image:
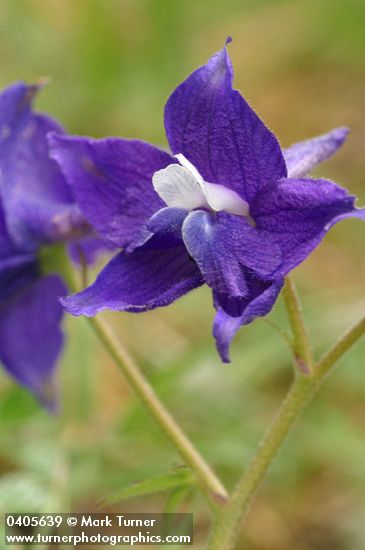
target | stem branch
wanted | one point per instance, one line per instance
(228, 520)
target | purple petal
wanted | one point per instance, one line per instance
(295, 214)
(163, 230)
(112, 182)
(7, 247)
(45, 222)
(16, 267)
(302, 157)
(167, 220)
(15, 272)
(224, 245)
(33, 189)
(139, 281)
(215, 128)
(259, 302)
(30, 335)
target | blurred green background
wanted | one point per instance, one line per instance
(112, 65)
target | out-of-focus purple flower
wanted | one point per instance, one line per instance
(229, 209)
(36, 208)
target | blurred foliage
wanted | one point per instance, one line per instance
(112, 65)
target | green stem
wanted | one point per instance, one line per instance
(302, 347)
(209, 483)
(226, 529)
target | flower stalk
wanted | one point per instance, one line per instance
(303, 356)
(210, 485)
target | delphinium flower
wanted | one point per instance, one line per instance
(230, 209)
(37, 209)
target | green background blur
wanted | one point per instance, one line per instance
(112, 65)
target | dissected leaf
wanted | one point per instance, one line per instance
(180, 477)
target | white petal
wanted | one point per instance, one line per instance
(220, 198)
(187, 164)
(177, 187)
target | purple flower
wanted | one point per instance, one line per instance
(229, 209)
(36, 208)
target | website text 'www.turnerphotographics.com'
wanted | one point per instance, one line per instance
(98, 529)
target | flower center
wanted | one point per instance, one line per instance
(181, 186)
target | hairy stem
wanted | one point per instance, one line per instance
(208, 481)
(226, 529)
(301, 345)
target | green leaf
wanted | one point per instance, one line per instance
(180, 477)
